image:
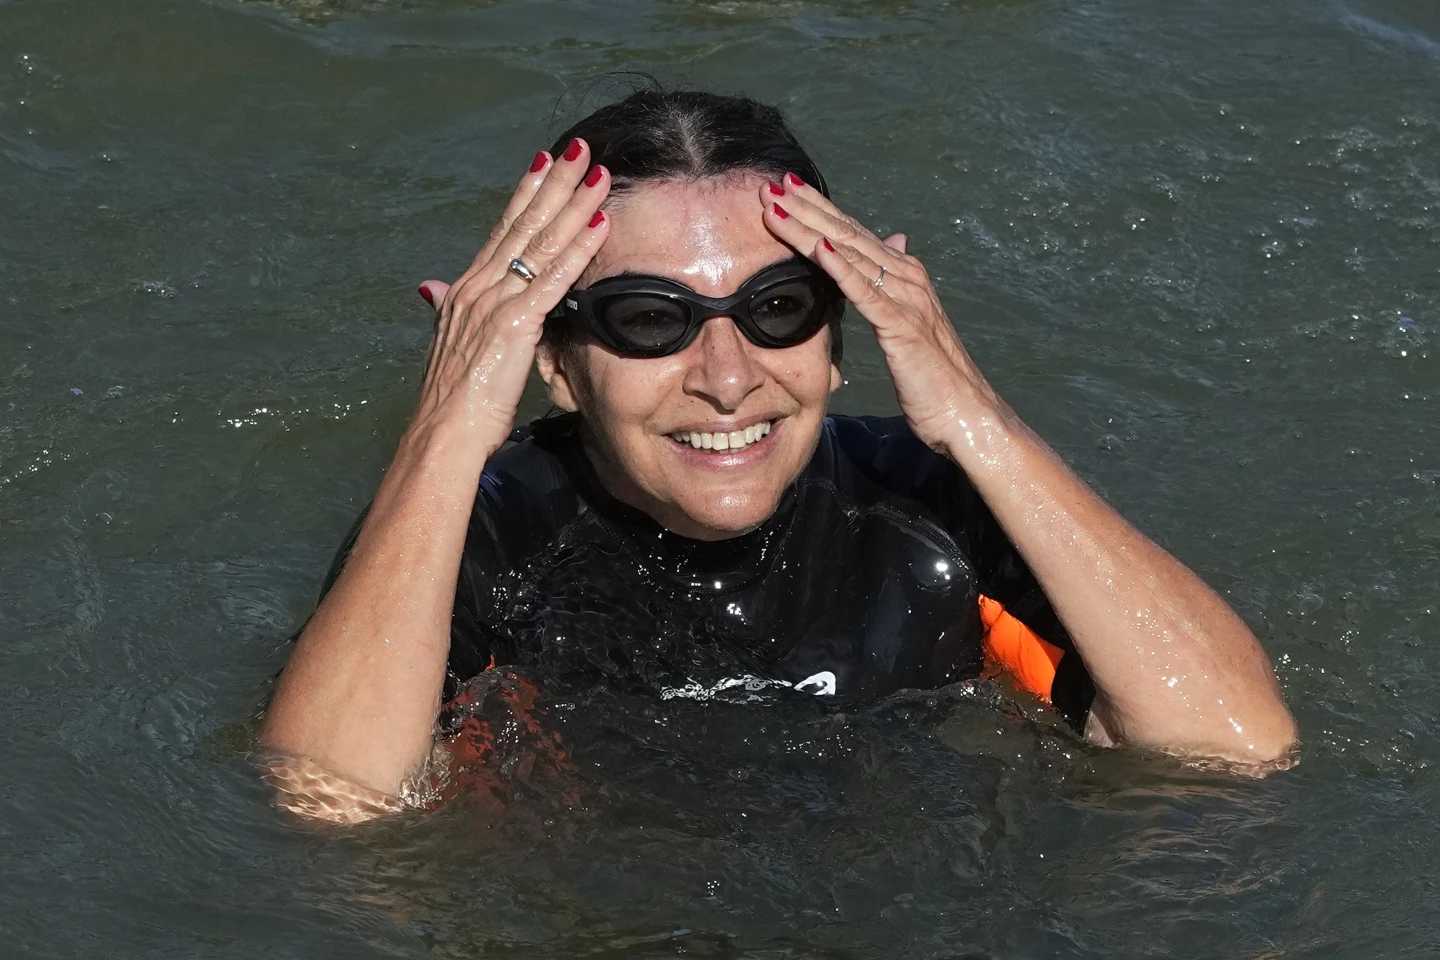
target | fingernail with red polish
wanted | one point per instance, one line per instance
(828, 246)
(775, 188)
(593, 177)
(429, 298)
(572, 152)
(541, 159)
(780, 211)
(598, 219)
(794, 180)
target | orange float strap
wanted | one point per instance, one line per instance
(1018, 650)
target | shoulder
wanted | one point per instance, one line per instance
(533, 462)
(529, 487)
(884, 452)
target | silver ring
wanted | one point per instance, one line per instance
(522, 270)
(880, 280)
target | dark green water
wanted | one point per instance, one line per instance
(1196, 245)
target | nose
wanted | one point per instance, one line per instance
(724, 369)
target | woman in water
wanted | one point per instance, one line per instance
(677, 272)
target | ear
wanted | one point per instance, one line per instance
(836, 380)
(550, 364)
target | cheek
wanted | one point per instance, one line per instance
(628, 393)
(805, 371)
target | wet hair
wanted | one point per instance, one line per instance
(659, 136)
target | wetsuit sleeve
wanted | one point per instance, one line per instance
(342, 556)
(474, 644)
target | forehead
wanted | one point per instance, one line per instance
(707, 234)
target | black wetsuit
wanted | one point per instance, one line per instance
(866, 580)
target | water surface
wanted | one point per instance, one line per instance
(1196, 245)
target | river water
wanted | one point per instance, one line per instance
(1196, 245)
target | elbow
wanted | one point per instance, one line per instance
(1256, 746)
(1270, 748)
(1273, 747)
(304, 788)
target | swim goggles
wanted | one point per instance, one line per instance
(644, 316)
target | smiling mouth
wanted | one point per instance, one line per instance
(730, 441)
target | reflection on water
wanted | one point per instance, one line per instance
(1194, 245)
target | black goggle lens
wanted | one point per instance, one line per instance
(784, 311)
(652, 324)
(646, 322)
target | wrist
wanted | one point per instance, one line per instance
(439, 457)
(983, 435)
(464, 436)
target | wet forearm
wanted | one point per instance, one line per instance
(1175, 668)
(362, 688)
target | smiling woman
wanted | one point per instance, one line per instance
(676, 270)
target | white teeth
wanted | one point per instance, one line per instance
(732, 440)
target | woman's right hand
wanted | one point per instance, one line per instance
(488, 322)
(359, 695)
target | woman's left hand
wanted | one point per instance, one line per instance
(938, 385)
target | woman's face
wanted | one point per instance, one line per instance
(710, 237)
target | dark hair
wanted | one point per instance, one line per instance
(653, 136)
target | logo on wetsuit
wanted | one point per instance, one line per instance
(822, 684)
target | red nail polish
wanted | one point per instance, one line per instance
(572, 152)
(539, 163)
(794, 180)
(593, 177)
(425, 292)
(598, 219)
(780, 212)
(775, 188)
(828, 245)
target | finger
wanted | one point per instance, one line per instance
(541, 295)
(896, 241)
(561, 231)
(821, 213)
(855, 274)
(434, 291)
(787, 227)
(840, 228)
(524, 192)
(867, 268)
(803, 236)
(554, 194)
(799, 188)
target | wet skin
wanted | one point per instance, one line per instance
(1175, 669)
(710, 236)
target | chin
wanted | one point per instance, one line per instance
(726, 515)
